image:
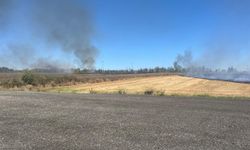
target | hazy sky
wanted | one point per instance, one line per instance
(149, 33)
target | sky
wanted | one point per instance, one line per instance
(147, 33)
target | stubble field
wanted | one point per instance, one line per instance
(161, 85)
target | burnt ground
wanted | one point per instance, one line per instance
(79, 121)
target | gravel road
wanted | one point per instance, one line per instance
(82, 121)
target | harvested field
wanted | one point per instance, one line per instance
(159, 85)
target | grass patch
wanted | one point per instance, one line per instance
(122, 91)
(204, 95)
(154, 92)
(92, 91)
(159, 93)
(151, 92)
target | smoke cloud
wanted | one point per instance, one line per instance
(65, 23)
(15, 55)
(185, 60)
(186, 63)
(57, 24)
(44, 65)
(224, 54)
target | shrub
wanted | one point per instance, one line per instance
(64, 80)
(149, 92)
(35, 80)
(28, 78)
(16, 83)
(42, 80)
(121, 91)
(11, 83)
(91, 91)
(160, 93)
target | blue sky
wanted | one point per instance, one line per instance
(149, 33)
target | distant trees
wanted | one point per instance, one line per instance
(5, 69)
(128, 71)
(175, 68)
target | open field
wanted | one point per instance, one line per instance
(162, 85)
(82, 121)
(151, 84)
(35, 81)
(83, 78)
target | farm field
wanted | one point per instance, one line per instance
(14, 81)
(82, 77)
(161, 85)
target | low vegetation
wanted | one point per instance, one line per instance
(122, 91)
(160, 93)
(38, 80)
(149, 92)
(146, 84)
(29, 78)
(154, 92)
(91, 91)
(13, 83)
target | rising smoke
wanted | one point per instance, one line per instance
(225, 51)
(195, 68)
(57, 24)
(43, 65)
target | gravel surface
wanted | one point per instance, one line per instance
(81, 121)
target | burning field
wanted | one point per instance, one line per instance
(162, 85)
(158, 84)
(56, 49)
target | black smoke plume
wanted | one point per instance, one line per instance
(61, 24)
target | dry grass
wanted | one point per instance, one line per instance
(81, 78)
(14, 81)
(167, 85)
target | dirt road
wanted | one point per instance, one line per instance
(82, 121)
